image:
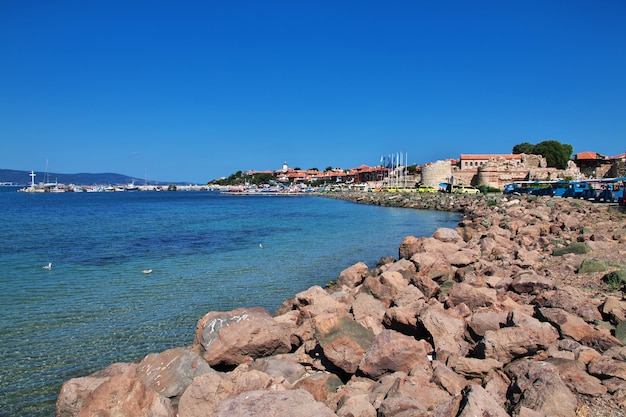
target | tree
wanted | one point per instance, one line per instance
(557, 154)
(525, 147)
(328, 168)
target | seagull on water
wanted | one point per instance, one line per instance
(146, 271)
(49, 266)
(261, 245)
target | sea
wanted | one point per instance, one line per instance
(207, 252)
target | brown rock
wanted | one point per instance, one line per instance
(433, 266)
(447, 378)
(571, 300)
(316, 301)
(484, 320)
(576, 328)
(445, 234)
(357, 406)
(237, 336)
(392, 352)
(352, 276)
(409, 247)
(280, 366)
(411, 394)
(529, 281)
(540, 388)
(446, 329)
(526, 336)
(575, 376)
(204, 394)
(320, 385)
(343, 341)
(125, 395)
(404, 266)
(368, 312)
(293, 403)
(473, 297)
(474, 367)
(463, 257)
(170, 372)
(611, 364)
(615, 309)
(477, 402)
(426, 285)
(75, 391)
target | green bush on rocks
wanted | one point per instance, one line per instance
(615, 279)
(577, 248)
(589, 266)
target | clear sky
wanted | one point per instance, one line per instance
(196, 90)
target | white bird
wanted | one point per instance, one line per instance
(146, 271)
(261, 245)
(49, 266)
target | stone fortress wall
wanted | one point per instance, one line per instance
(496, 172)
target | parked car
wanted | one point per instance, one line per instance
(466, 189)
(422, 188)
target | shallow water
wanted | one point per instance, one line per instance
(95, 307)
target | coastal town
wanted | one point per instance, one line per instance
(586, 175)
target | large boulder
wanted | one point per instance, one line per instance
(529, 281)
(571, 300)
(226, 339)
(538, 386)
(352, 276)
(204, 394)
(394, 352)
(478, 402)
(170, 372)
(572, 326)
(473, 297)
(343, 341)
(125, 395)
(447, 330)
(411, 395)
(75, 391)
(292, 403)
(316, 301)
(524, 335)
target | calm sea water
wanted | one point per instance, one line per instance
(95, 307)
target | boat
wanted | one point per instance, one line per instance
(132, 187)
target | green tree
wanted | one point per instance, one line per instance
(328, 168)
(525, 147)
(557, 154)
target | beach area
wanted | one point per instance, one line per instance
(518, 311)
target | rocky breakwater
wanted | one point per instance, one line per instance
(507, 315)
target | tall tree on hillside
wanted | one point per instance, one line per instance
(557, 154)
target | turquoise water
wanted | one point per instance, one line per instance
(95, 306)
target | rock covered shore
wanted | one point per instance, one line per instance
(516, 312)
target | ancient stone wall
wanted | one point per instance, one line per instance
(435, 173)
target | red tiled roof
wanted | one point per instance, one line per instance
(586, 155)
(491, 156)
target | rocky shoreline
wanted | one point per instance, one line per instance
(519, 311)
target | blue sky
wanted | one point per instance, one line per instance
(192, 91)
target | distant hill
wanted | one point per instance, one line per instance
(23, 178)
